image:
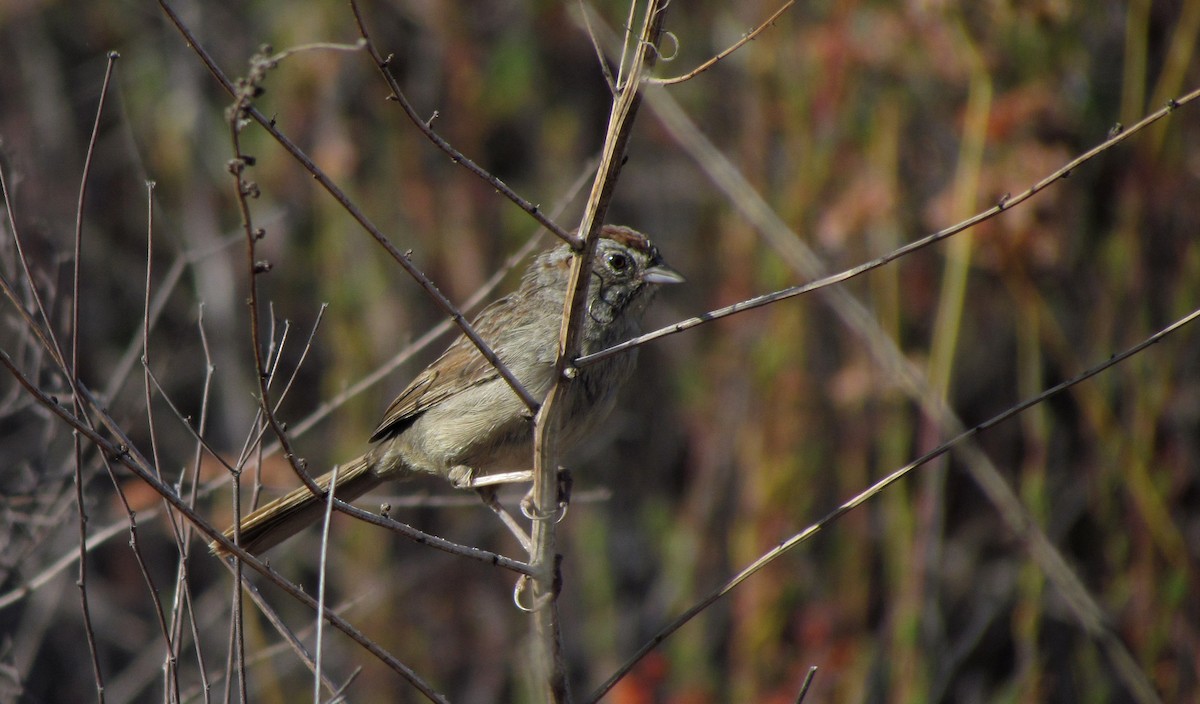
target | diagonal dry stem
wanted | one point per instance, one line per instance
(1005, 203)
(383, 64)
(748, 37)
(1092, 618)
(402, 258)
(544, 495)
(125, 454)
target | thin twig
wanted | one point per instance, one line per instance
(195, 432)
(150, 425)
(171, 684)
(983, 472)
(290, 639)
(736, 45)
(804, 686)
(235, 657)
(247, 89)
(308, 345)
(611, 82)
(73, 380)
(544, 494)
(424, 126)
(128, 456)
(120, 371)
(1094, 622)
(402, 258)
(321, 566)
(627, 39)
(169, 632)
(197, 455)
(434, 541)
(1005, 203)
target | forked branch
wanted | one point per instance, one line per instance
(544, 495)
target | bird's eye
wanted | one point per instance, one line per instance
(617, 261)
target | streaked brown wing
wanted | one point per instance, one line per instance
(434, 385)
(459, 368)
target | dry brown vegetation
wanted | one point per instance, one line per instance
(1052, 556)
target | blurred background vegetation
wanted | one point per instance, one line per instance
(860, 124)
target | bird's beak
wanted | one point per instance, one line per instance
(661, 274)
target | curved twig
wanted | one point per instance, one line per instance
(750, 36)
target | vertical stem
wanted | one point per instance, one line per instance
(550, 672)
(73, 381)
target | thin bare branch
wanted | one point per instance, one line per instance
(247, 90)
(322, 561)
(73, 381)
(434, 541)
(308, 345)
(166, 287)
(1093, 621)
(126, 455)
(402, 258)
(1005, 203)
(806, 684)
(146, 386)
(628, 38)
(169, 632)
(183, 585)
(316, 46)
(544, 494)
(750, 36)
(290, 639)
(584, 13)
(196, 432)
(423, 125)
(882, 348)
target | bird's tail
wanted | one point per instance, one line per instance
(289, 514)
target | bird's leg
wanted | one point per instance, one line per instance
(488, 494)
(472, 482)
